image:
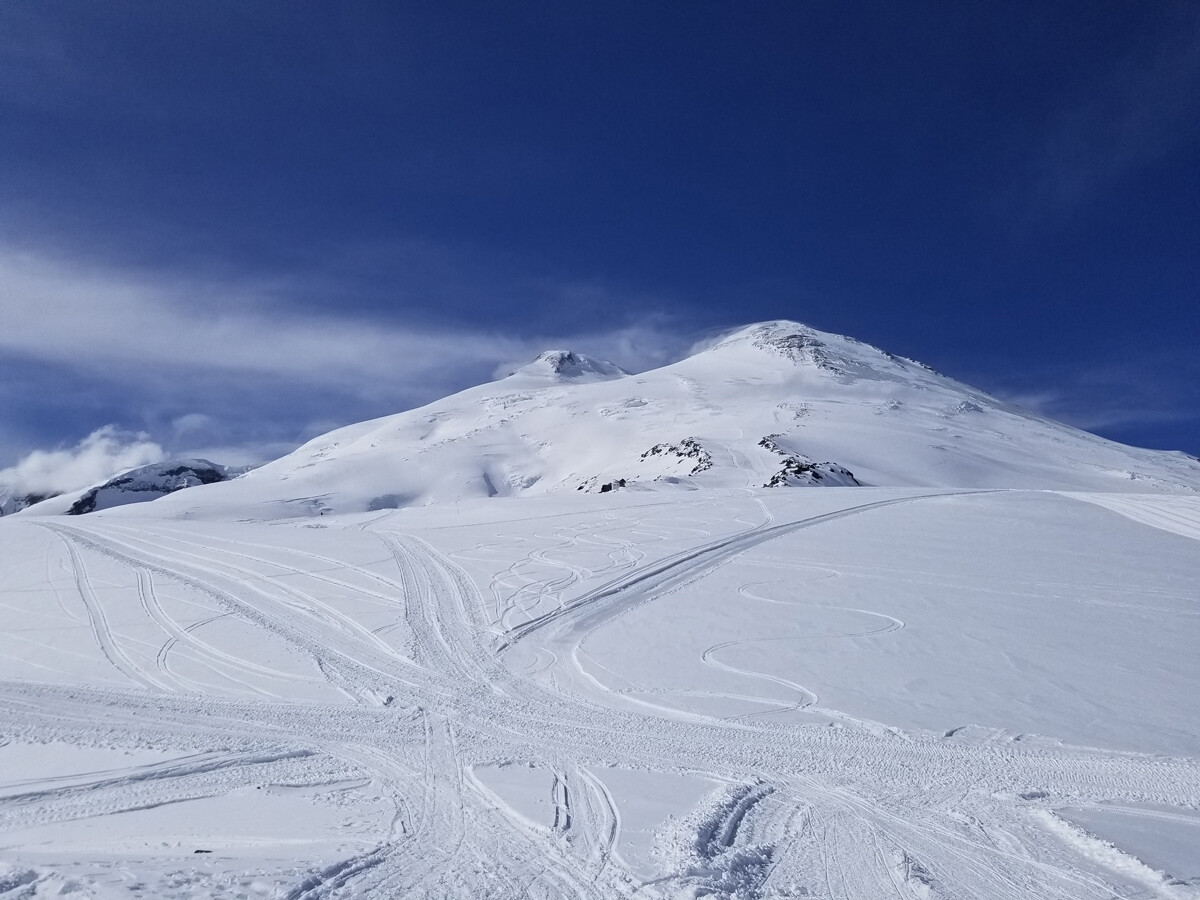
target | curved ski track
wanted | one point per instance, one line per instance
(848, 812)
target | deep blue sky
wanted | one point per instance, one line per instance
(235, 224)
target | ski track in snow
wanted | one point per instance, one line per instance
(857, 811)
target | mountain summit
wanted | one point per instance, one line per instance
(772, 405)
(834, 354)
(567, 365)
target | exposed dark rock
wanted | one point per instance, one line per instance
(606, 487)
(768, 443)
(688, 448)
(9, 505)
(151, 482)
(800, 470)
(803, 471)
(799, 348)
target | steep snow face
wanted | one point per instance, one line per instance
(775, 405)
(138, 486)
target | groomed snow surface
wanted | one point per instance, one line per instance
(844, 693)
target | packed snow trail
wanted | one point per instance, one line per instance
(417, 712)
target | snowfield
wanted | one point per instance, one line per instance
(691, 685)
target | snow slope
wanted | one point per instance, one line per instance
(726, 693)
(773, 404)
(740, 691)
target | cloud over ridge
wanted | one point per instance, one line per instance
(102, 454)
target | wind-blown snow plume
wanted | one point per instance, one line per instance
(98, 456)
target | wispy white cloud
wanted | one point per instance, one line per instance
(1087, 411)
(222, 362)
(99, 456)
(115, 321)
(1150, 393)
(191, 423)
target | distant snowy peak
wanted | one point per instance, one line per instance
(150, 483)
(567, 365)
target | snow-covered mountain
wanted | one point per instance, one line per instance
(13, 501)
(730, 691)
(565, 366)
(770, 405)
(134, 486)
